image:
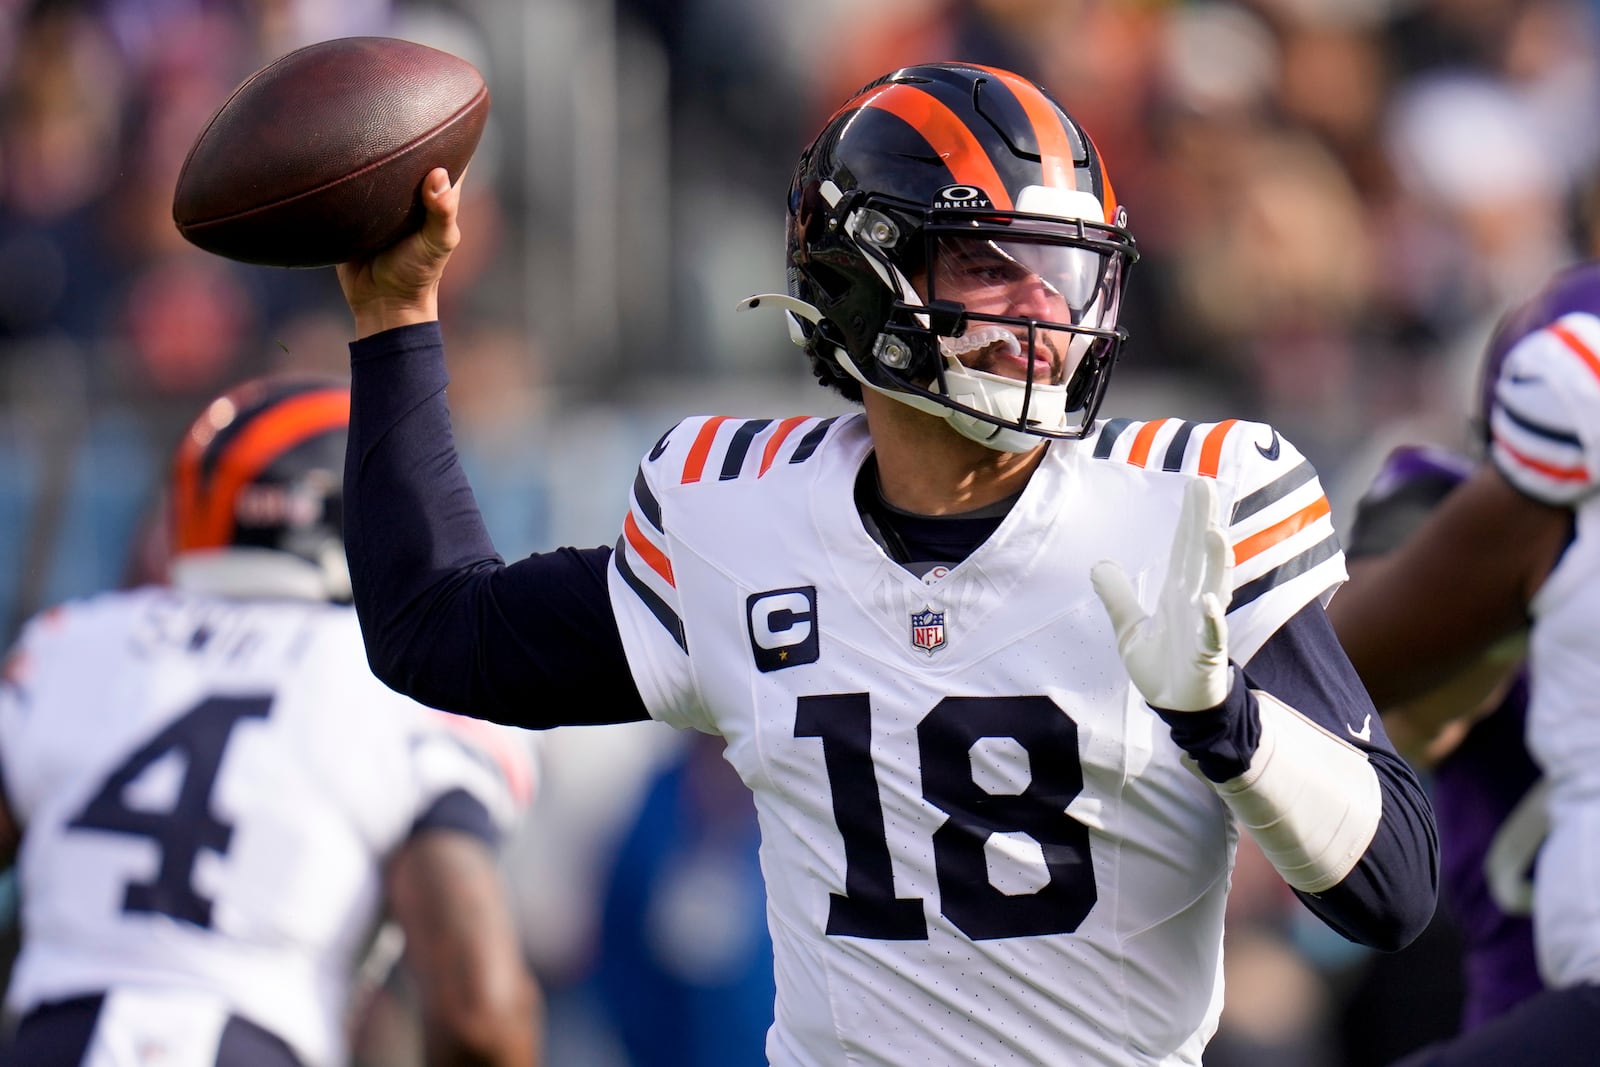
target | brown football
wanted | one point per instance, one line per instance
(319, 157)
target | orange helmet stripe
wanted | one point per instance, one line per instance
(946, 134)
(1109, 202)
(1055, 147)
(203, 515)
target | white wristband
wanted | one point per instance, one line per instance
(1311, 800)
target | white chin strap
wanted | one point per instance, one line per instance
(995, 395)
(979, 390)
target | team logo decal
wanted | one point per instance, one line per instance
(927, 630)
(783, 627)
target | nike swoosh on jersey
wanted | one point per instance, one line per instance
(1363, 734)
(1271, 451)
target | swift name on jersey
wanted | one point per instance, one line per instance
(208, 790)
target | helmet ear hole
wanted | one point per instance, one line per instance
(831, 285)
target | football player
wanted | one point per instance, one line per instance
(999, 794)
(212, 802)
(1487, 792)
(1514, 548)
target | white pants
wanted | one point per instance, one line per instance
(1566, 896)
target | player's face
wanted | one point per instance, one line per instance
(1015, 281)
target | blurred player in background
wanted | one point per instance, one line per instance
(684, 947)
(1516, 548)
(980, 843)
(1488, 794)
(211, 801)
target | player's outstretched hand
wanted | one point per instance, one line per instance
(1177, 656)
(400, 285)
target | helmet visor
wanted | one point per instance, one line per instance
(1034, 304)
(1032, 278)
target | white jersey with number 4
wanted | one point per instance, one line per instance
(979, 844)
(1545, 425)
(207, 789)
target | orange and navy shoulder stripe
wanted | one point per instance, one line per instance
(725, 449)
(1171, 445)
(1280, 527)
(1050, 149)
(1529, 427)
(643, 562)
(1280, 531)
(718, 449)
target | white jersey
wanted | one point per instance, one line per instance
(1546, 441)
(979, 843)
(207, 789)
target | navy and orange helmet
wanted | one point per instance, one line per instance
(929, 165)
(257, 489)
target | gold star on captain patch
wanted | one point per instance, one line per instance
(783, 655)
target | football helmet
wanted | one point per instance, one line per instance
(257, 492)
(953, 242)
(1575, 289)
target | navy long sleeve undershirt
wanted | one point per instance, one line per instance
(535, 643)
(532, 644)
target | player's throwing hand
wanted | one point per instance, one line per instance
(400, 285)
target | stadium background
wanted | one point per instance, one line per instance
(1334, 198)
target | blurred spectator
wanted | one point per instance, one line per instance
(685, 965)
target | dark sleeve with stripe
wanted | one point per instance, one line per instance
(1389, 897)
(445, 621)
(458, 811)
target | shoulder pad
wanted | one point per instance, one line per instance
(709, 448)
(1546, 404)
(1186, 447)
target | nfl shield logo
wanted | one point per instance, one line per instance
(927, 630)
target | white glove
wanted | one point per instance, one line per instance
(1178, 656)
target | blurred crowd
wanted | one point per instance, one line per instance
(1334, 200)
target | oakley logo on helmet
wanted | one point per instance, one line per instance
(783, 627)
(969, 196)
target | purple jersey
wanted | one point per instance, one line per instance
(1479, 787)
(1476, 789)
